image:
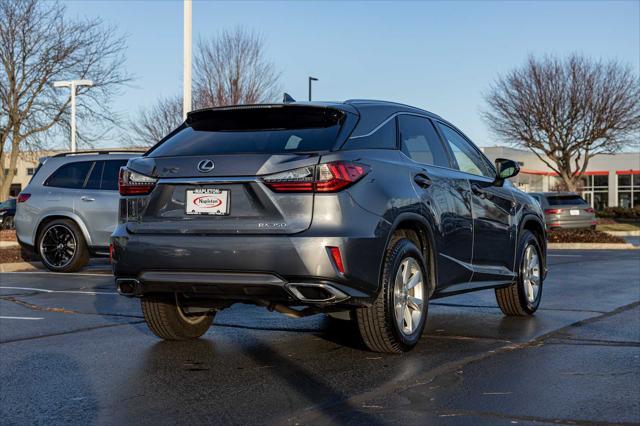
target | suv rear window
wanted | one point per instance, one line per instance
(269, 130)
(565, 200)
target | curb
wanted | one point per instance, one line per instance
(624, 233)
(8, 244)
(592, 246)
(20, 266)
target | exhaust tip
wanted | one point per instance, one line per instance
(128, 286)
(316, 293)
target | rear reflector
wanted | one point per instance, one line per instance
(132, 183)
(327, 177)
(22, 197)
(337, 258)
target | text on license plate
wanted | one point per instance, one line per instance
(207, 201)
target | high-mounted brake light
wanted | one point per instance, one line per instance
(132, 183)
(22, 197)
(326, 177)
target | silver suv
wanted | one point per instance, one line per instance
(69, 209)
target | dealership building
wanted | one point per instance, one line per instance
(611, 180)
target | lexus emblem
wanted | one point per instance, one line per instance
(205, 166)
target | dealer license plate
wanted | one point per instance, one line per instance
(207, 201)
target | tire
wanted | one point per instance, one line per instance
(517, 299)
(74, 246)
(166, 319)
(377, 323)
(8, 223)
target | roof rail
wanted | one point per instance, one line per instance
(100, 152)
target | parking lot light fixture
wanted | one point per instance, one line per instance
(73, 84)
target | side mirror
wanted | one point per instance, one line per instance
(506, 169)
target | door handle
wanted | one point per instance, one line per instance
(477, 190)
(422, 180)
(87, 199)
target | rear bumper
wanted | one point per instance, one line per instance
(246, 267)
(556, 223)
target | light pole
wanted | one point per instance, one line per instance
(186, 59)
(310, 80)
(73, 84)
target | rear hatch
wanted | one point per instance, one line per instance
(210, 170)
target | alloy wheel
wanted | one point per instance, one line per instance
(58, 246)
(408, 296)
(531, 274)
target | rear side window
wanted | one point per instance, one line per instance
(383, 138)
(566, 200)
(420, 142)
(274, 130)
(71, 175)
(110, 174)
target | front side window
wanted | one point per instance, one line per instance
(420, 142)
(70, 175)
(468, 159)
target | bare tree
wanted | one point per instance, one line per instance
(229, 69)
(156, 122)
(39, 45)
(566, 111)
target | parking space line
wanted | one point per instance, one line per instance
(564, 255)
(21, 318)
(44, 290)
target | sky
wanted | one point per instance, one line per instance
(441, 55)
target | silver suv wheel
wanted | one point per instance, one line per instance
(58, 245)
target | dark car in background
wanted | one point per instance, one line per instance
(361, 209)
(565, 210)
(7, 213)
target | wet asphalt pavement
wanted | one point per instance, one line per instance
(72, 351)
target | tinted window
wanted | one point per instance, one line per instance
(420, 142)
(566, 200)
(94, 177)
(468, 158)
(383, 138)
(269, 130)
(70, 175)
(110, 174)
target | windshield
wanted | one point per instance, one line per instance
(254, 130)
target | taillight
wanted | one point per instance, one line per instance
(337, 258)
(132, 183)
(22, 197)
(326, 177)
(589, 210)
(553, 211)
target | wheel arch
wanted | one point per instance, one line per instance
(61, 215)
(420, 231)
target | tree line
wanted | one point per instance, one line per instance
(565, 110)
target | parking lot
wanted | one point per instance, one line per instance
(72, 350)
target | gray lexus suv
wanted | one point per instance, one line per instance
(364, 210)
(70, 208)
